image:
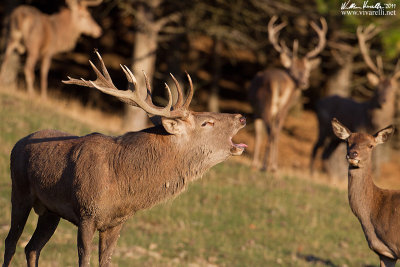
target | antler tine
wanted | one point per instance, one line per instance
(273, 34)
(396, 72)
(179, 101)
(132, 97)
(191, 91)
(363, 36)
(295, 47)
(321, 37)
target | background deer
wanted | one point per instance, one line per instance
(273, 91)
(42, 36)
(367, 116)
(97, 182)
(375, 208)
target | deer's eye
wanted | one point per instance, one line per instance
(370, 146)
(207, 123)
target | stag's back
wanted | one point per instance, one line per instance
(265, 101)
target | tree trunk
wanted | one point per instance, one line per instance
(144, 59)
(213, 103)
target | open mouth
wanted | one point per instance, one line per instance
(237, 149)
(353, 162)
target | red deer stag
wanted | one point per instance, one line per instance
(42, 36)
(375, 208)
(273, 91)
(97, 182)
(366, 116)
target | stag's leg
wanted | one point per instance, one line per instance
(19, 214)
(47, 224)
(386, 262)
(259, 128)
(44, 71)
(107, 243)
(86, 231)
(30, 71)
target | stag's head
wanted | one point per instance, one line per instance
(82, 18)
(299, 67)
(385, 85)
(210, 132)
(360, 145)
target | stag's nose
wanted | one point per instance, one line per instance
(352, 155)
(242, 120)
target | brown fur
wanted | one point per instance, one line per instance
(97, 182)
(368, 116)
(375, 208)
(43, 36)
(273, 91)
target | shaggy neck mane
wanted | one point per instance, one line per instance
(164, 178)
(65, 32)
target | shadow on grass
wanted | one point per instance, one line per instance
(314, 259)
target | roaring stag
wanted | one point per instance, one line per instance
(376, 208)
(273, 91)
(97, 182)
(368, 116)
(42, 36)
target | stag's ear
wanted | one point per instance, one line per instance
(286, 60)
(373, 79)
(383, 135)
(173, 126)
(340, 130)
(314, 63)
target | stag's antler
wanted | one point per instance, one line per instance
(364, 35)
(273, 35)
(321, 37)
(133, 96)
(90, 2)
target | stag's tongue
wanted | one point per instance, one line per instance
(241, 145)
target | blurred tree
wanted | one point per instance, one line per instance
(150, 18)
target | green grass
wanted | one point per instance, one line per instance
(231, 217)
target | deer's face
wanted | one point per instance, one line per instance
(85, 22)
(360, 145)
(210, 132)
(359, 149)
(300, 69)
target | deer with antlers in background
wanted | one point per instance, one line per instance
(97, 182)
(42, 36)
(377, 209)
(273, 91)
(367, 116)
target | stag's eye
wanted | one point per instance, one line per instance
(207, 123)
(370, 146)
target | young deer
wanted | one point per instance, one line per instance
(367, 116)
(97, 182)
(42, 36)
(273, 91)
(377, 209)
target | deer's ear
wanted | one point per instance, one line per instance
(383, 135)
(373, 79)
(286, 60)
(314, 63)
(173, 126)
(340, 130)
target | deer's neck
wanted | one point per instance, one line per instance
(65, 34)
(158, 170)
(362, 192)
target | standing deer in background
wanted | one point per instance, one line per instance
(42, 36)
(273, 91)
(97, 182)
(377, 209)
(367, 116)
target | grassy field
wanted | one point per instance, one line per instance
(231, 217)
